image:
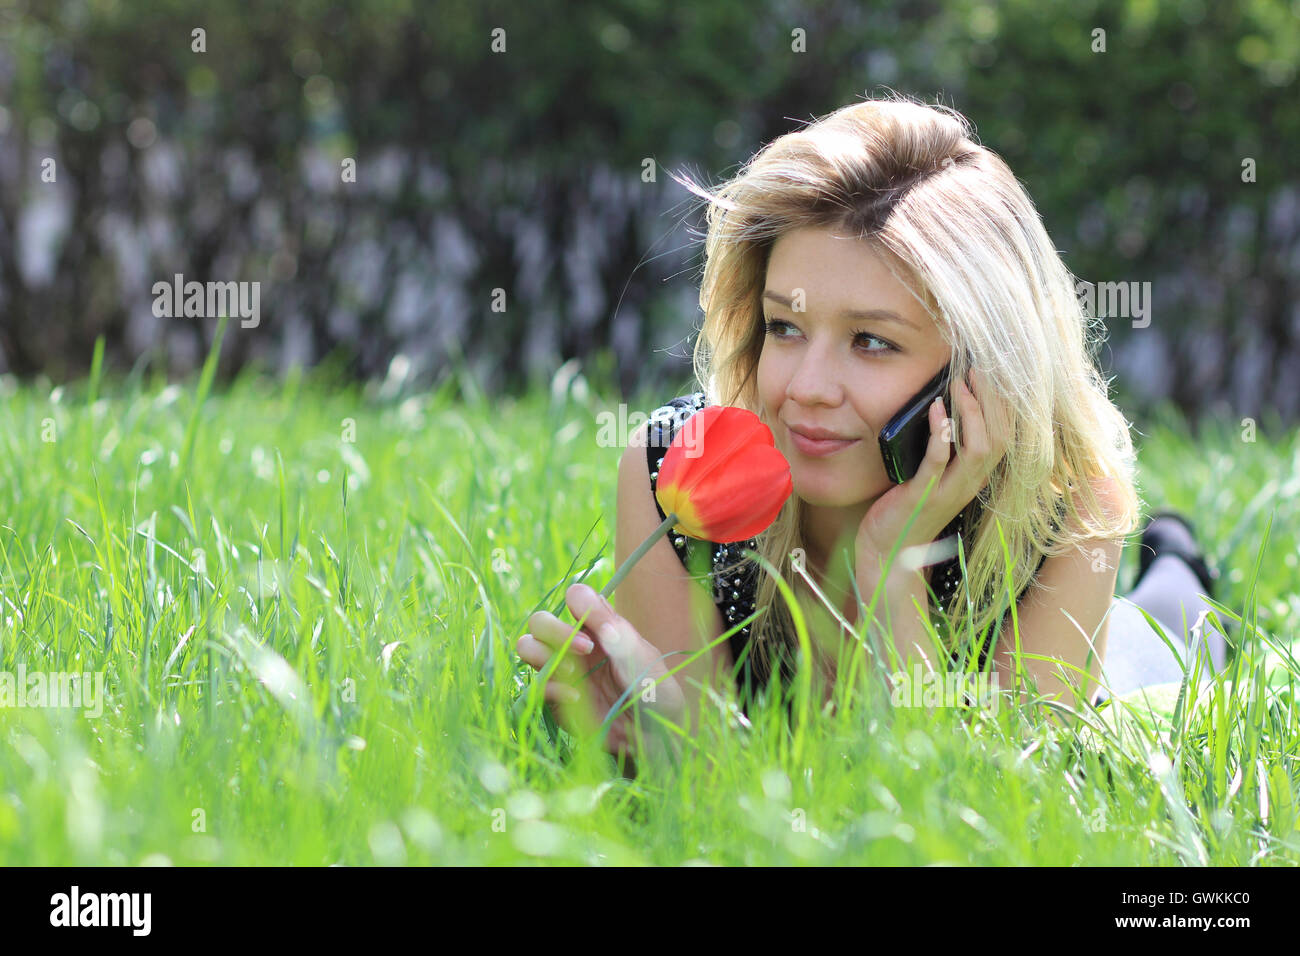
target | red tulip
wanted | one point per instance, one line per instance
(723, 476)
(722, 480)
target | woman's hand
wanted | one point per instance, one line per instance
(606, 656)
(959, 480)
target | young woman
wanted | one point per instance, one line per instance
(847, 264)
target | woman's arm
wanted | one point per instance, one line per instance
(1080, 584)
(903, 603)
(658, 597)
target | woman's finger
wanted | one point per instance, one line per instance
(938, 451)
(558, 693)
(588, 605)
(990, 445)
(980, 442)
(537, 655)
(974, 430)
(554, 633)
(621, 645)
(953, 473)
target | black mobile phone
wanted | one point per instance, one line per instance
(904, 439)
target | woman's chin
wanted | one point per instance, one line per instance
(826, 495)
(835, 494)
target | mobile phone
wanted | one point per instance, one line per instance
(904, 439)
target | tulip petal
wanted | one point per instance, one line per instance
(734, 489)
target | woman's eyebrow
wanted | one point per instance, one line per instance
(853, 315)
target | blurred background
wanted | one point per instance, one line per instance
(413, 184)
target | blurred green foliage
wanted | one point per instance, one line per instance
(487, 136)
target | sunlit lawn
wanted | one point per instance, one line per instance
(304, 599)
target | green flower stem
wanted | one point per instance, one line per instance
(632, 559)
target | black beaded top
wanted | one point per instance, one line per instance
(735, 580)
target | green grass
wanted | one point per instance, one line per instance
(308, 651)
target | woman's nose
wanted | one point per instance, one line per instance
(814, 381)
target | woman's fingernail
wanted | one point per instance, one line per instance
(583, 645)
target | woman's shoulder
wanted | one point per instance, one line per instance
(1109, 495)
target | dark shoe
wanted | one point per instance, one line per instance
(1162, 535)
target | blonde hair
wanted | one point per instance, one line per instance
(949, 215)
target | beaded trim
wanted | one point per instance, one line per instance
(734, 580)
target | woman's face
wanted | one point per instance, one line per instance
(823, 369)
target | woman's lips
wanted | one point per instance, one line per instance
(819, 449)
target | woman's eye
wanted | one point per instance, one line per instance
(774, 327)
(888, 347)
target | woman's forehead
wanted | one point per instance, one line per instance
(839, 270)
